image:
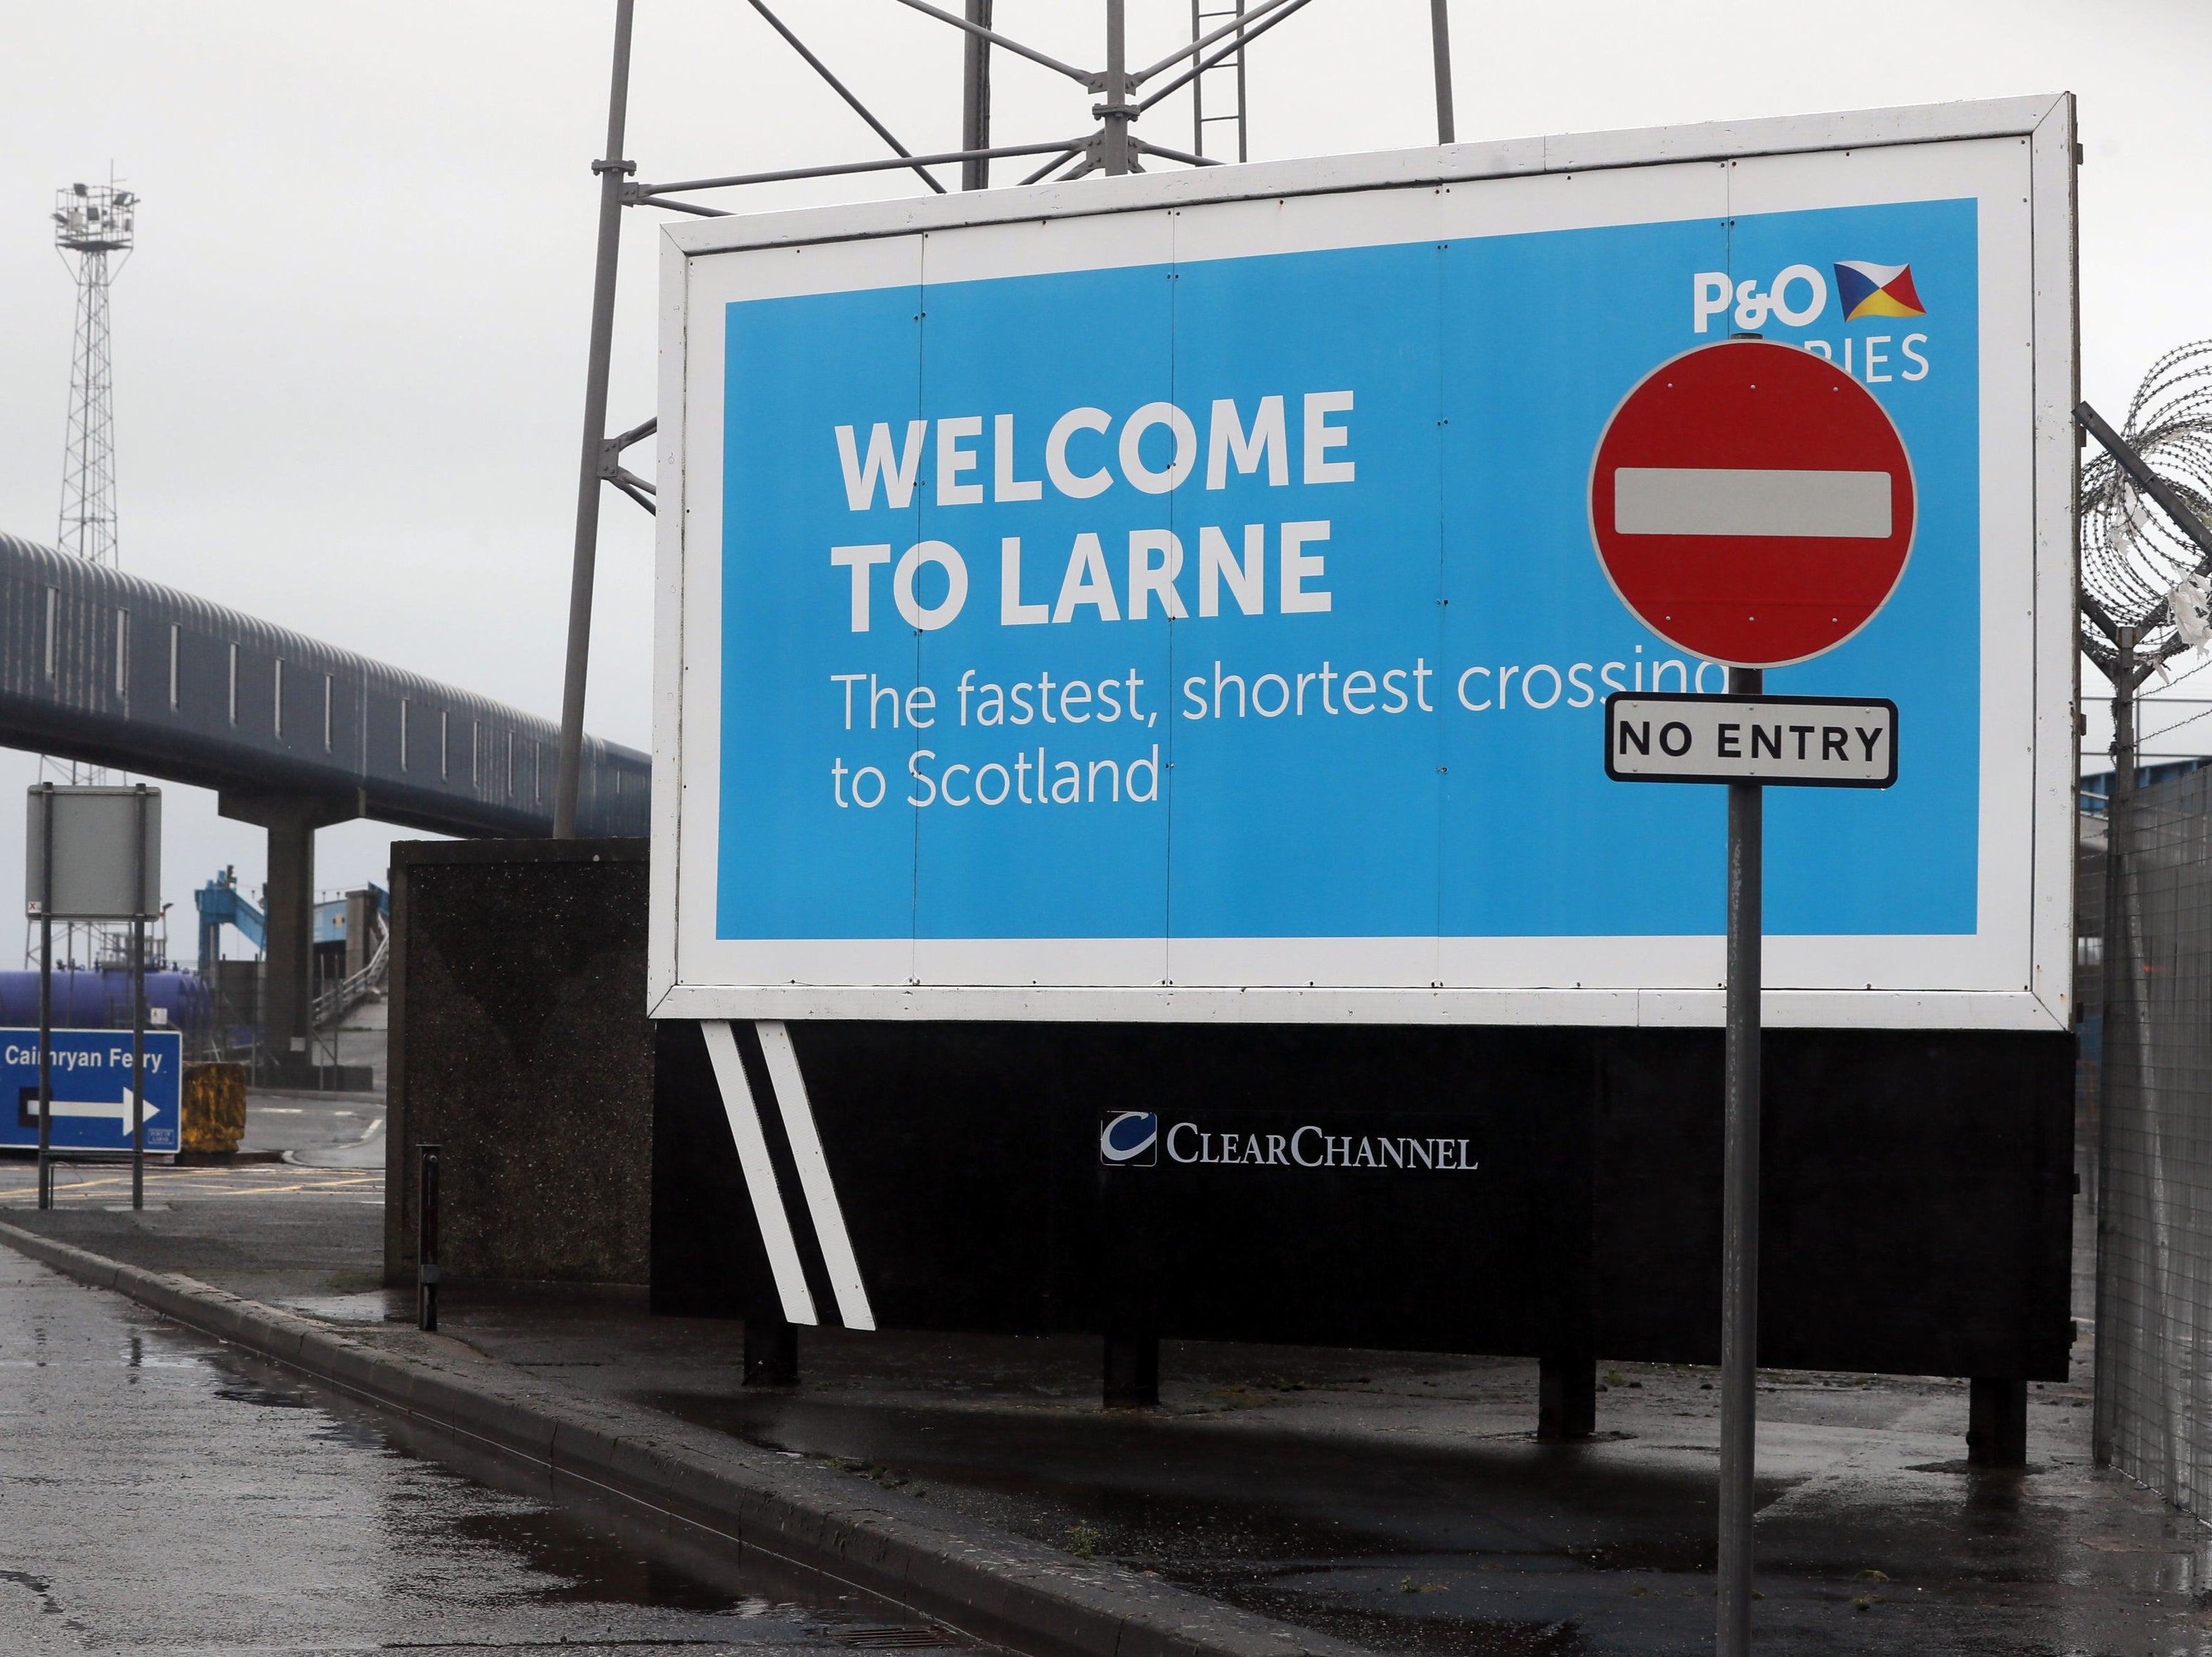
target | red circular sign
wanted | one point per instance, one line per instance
(1752, 503)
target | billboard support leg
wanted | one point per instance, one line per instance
(771, 1351)
(1115, 114)
(1996, 1422)
(975, 99)
(1132, 1371)
(1740, 1215)
(1566, 1396)
(1440, 47)
(612, 169)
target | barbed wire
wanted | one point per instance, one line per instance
(2182, 677)
(2166, 730)
(2133, 556)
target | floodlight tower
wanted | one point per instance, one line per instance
(91, 221)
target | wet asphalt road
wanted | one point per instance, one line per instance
(161, 1493)
(1395, 1500)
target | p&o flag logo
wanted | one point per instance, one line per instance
(1129, 1138)
(1876, 290)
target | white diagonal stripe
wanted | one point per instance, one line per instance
(1743, 500)
(814, 1174)
(759, 1173)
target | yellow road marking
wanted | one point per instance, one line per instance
(252, 1180)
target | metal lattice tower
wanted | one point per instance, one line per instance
(91, 221)
(1223, 77)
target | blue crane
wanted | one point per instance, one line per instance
(220, 902)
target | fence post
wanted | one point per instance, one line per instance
(2119, 999)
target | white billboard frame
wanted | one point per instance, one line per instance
(2014, 973)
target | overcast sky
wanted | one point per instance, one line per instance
(349, 353)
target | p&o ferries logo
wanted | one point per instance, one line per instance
(1876, 290)
(1798, 297)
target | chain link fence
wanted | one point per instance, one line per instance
(2146, 1085)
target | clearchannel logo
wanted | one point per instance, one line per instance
(1129, 1138)
(1133, 1139)
(1798, 296)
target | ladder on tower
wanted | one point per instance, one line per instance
(1219, 88)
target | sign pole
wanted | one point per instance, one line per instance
(138, 1011)
(46, 992)
(1715, 462)
(1739, 1217)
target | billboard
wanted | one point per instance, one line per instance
(1174, 597)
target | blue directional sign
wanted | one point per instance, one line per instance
(92, 1076)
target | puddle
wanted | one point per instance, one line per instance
(1103, 1481)
(595, 1567)
(267, 1398)
(1973, 1470)
(578, 1549)
(1660, 1553)
(1418, 1626)
(373, 1305)
(1155, 1492)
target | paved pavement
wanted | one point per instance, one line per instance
(1395, 1499)
(318, 1130)
(159, 1494)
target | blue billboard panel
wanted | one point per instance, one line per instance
(92, 1081)
(1300, 634)
(1216, 605)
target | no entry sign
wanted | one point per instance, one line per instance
(1823, 742)
(1752, 502)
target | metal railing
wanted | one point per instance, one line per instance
(350, 992)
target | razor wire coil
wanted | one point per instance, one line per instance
(2133, 557)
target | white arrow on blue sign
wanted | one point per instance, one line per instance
(118, 1109)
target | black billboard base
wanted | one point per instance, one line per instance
(1566, 1396)
(1996, 1422)
(1477, 1189)
(771, 1352)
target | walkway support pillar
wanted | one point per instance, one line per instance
(288, 997)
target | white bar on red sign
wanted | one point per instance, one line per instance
(1740, 501)
(1816, 741)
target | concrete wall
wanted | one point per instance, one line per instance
(519, 1044)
